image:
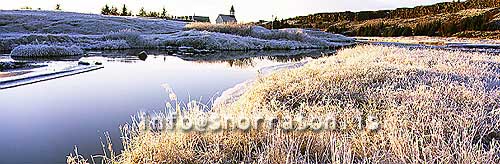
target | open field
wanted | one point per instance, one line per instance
(415, 106)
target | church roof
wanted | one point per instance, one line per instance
(227, 18)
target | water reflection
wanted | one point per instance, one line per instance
(239, 59)
(273, 55)
(76, 110)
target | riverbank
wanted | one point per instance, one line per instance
(391, 105)
(427, 40)
(440, 43)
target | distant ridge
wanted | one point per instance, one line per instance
(441, 19)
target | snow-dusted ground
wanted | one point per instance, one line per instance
(91, 31)
(53, 22)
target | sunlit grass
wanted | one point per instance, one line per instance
(301, 35)
(433, 107)
(234, 28)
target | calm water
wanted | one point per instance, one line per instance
(42, 122)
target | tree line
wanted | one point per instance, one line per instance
(107, 10)
(124, 11)
(404, 13)
(438, 27)
(57, 8)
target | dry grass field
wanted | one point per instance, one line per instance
(415, 106)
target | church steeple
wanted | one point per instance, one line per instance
(231, 12)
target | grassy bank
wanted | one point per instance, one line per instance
(480, 34)
(430, 106)
(301, 35)
(428, 40)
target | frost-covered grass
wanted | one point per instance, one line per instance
(236, 29)
(114, 40)
(248, 30)
(432, 106)
(56, 22)
(131, 39)
(130, 36)
(90, 31)
(301, 35)
(432, 40)
(87, 31)
(221, 41)
(245, 37)
(45, 51)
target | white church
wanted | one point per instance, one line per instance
(222, 19)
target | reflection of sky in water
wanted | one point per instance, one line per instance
(43, 121)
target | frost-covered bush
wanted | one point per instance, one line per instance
(246, 30)
(132, 37)
(208, 40)
(263, 33)
(317, 38)
(8, 42)
(235, 29)
(221, 41)
(45, 51)
(330, 37)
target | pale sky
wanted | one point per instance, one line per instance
(246, 10)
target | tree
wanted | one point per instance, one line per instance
(105, 10)
(163, 13)
(114, 11)
(58, 7)
(142, 12)
(125, 11)
(152, 14)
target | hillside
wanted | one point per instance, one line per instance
(442, 19)
(96, 32)
(49, 22)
